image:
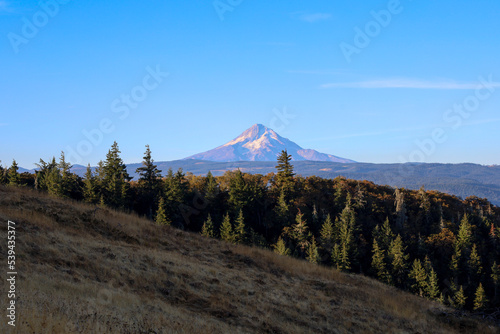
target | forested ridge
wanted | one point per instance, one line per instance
(432, 244)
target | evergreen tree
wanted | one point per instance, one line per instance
(211, 187)
(284, 178)
(240, 232)
(398, 261)
(282, 208)
(464, 237)
(460, 298)
(474, 265)
(226, 229)
(345, 227)
(312, 252)
(208, 229)
(161, 218)
(378, 263)
(419, 278)
(433, 285)
(116, 178)
(3, 175)
(238, 191)
(90, 194)
(384, 235)
(13, 175)
(66, 181)
(300, 234)
(149, 180)
(480, 300)
(327, 235)
(280, 247)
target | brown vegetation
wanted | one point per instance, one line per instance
(84, 269)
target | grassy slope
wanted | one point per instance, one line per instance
(95, 272)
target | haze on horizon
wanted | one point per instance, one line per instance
(370, 81)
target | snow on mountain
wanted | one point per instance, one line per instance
(260, 143)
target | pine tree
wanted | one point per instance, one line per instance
(161, 218)
(67, 183)
(378, 263)
(398, 261)
(90, 187)
(226, 229)
(312, 252)
(474, 265)
(327, 235)
(238, 191)
(345, 228)
(300, 234)
(460, 298)
(433, 285)
(13, 175)
(115, 179)
(280, 247)
(480, 300)
(419, 278)
(464, 237)
(211, 187)
(3, 175)
(240, 232)
(149, 180)
(284, 178)
(208, 229)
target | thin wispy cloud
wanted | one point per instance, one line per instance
(311, 17)
(407, 83)
(319, 72)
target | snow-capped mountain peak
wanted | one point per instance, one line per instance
(260, 143)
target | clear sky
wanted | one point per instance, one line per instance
(365, 80)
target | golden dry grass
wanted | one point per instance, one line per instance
(109, 272)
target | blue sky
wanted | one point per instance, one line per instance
(373, 81)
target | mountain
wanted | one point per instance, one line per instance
(89, 269)
(260, 143)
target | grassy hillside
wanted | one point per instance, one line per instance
(89, 270)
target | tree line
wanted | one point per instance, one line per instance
(433, 244)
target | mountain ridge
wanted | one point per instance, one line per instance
(260, 143)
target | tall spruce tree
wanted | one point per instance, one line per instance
(149, 181)
(226, 229)
(312, 252)
(327, 235)
(241, 235)
(208, 229)
(161, 217)
(418, 278)
(480, 300)
(90, 193)
(284, 178)
(13, 175)
(116, 178)
(398, 260)
(378, 263)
